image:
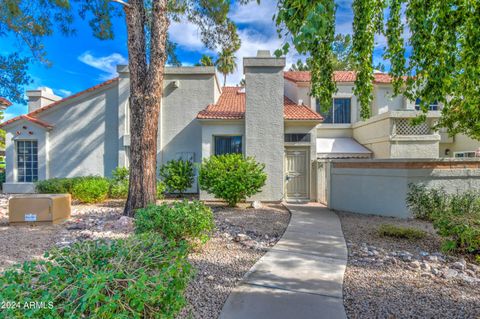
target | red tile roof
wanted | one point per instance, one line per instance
(31, 116)
(231, 106)
(339, 76)
(4, 102)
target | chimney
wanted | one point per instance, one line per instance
(40, 97)
(264, 123)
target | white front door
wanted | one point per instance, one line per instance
(296, 174)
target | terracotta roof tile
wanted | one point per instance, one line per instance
(31, 116)
(30, 119)
(339, 76)
(231, 106)
(4, 102)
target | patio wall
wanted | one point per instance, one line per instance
(380, 187)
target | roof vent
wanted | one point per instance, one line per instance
(300, 102)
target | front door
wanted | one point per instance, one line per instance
(296, 174)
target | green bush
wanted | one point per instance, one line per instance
(139, 277)
(232, 177)
(388, 230)
(178, 175)
(57, 185)
(456, 217)
(178, 221)
(423, 201)
(91, 189)
(161, 188)
(119, 183)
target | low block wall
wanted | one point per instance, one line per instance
(380, 187)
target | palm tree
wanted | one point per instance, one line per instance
(226, 63)
(206, 60)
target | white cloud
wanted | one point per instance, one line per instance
(107, 64)
(186, 35)
(63, 92)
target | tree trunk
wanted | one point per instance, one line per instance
(224, 79)
(146, 88)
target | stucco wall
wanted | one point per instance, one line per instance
(382, 191)
(461, 143)
(384, 101)
(264, 125)
(210, 129)
(84, 140)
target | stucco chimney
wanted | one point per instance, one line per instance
(40, 97)
(264, 123)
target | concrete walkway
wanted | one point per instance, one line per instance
(301, 276)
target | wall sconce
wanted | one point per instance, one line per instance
(447, 152)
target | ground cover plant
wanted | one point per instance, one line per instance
(388, 230)
(143, 276)
(232, 177)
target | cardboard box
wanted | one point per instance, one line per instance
(39, 209)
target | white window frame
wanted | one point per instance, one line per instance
(17, 167)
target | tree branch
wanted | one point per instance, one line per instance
(126, 4)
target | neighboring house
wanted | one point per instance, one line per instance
(273, 119)
(4, 103)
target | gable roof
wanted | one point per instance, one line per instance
(4, 102)
(231, 106)
(32, 115)
(338, 76)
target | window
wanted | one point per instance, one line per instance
(297, 137)
(339, 113)
(432, 107)
(27, 161)
(228, 144)
(466, 154)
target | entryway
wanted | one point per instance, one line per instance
(297, 174)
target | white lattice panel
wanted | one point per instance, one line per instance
(403, 127)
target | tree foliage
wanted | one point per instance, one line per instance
(443, 66)
(206, 60)
(226, 63)
(311, 25)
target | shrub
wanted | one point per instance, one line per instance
(460, 223)
(178, 221)
(139, 277)
(57, 185)
(232, 177)
(160, 189)
(119, 183)
(178, 175)
(423, 202)
(388, 230)
(91, 189)
(456, 217)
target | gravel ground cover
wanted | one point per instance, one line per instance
(241, 237)
(401, 278)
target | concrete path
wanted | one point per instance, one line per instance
(301, 276)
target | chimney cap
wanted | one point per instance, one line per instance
(263, 54)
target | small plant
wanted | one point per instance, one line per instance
(91, 189)
(456, 217)
(161, 189)
(232, 177)
(119, 183)
(387, 230)
(178, 175)
(178, 221)
(424, 202)
(57, 185)
(139, 277)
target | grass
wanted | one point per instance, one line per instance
(387, 230)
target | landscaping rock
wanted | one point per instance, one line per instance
(256, 204)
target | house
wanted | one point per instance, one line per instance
(273, 119)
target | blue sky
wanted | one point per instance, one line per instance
(81, 61)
